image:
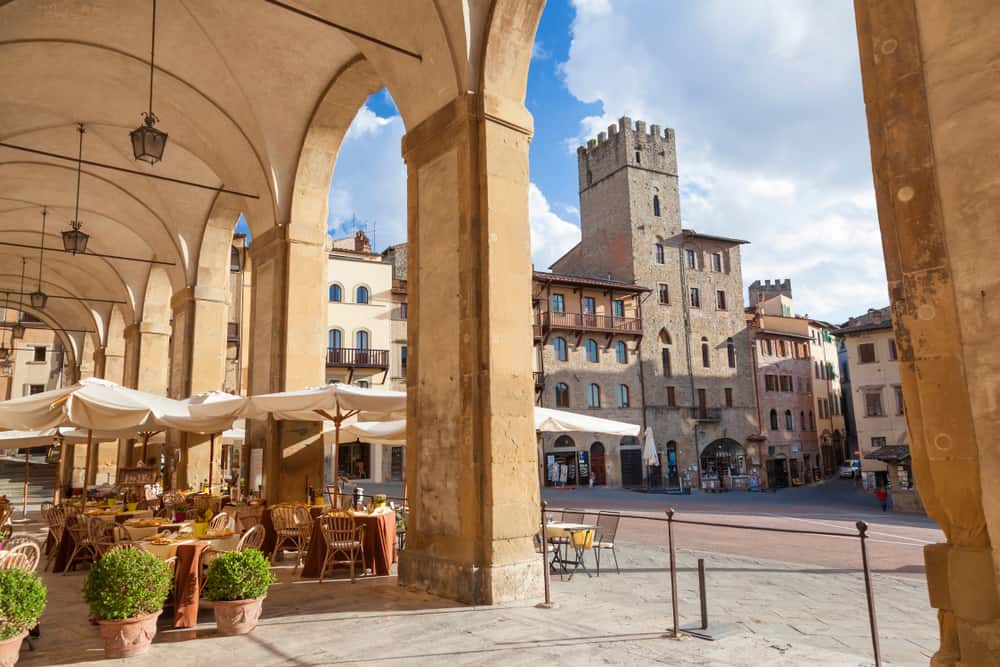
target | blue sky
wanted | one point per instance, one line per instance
(765, 98)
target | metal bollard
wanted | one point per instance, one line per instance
(673, 572)
(702, 594)
(869, 592)
(545, 562)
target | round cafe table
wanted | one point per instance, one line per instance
(379, 540)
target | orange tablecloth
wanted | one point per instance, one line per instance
(379, 541)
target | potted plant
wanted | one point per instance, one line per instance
(237, 584)
(22, 601)
(126, 590)
(180, 512)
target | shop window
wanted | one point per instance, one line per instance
(354, 460)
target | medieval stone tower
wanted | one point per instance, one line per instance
(696, 364)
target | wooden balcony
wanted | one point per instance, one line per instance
(586, 322)
(353, 357)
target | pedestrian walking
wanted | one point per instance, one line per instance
(883, 497)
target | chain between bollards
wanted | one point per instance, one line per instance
(869, 592)
(673, 572)
(545, 561)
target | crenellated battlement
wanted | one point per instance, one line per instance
(627, 143)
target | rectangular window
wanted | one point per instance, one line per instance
(690, 257)
(402, 359)
(587, 305)
(35, 389)
(623, 396)
(403, 310)
(785, 382)
(878, 442)
(717, 262)
(900, 407)
(671, 397)
(729, 397)
(558, 303)
(695, 299)
(660, 259)
(873, 403)
(866, 353)
(892, 350)
(781, 348)
(770, 382)
(665, 355)
(664, 292)
(720, 299)
(618, 308)
(702, 403)
(39, 353)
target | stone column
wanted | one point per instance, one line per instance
(99, 362)
(932, 93)
(287, 344)
(471, 453)
(198, 363)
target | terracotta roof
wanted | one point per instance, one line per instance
(543, 276)
(690, 233)
(861, 328)
(776, 332)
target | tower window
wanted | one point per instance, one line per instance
(705, 358)
(637, 158)
(731, 352)
(660, 258)
(664, 293)
(695, 298)
(656, 205)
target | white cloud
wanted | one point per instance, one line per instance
(551, 236)
(772, 141)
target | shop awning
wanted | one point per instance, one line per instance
(890, 454)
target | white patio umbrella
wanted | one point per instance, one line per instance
(649, 455)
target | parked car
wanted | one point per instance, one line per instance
(850, 469)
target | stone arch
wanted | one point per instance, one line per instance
(508, 46)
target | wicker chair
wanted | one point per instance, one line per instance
(78, 529)
(342, 536)
(252, 539)
(247, 521)
(219, 523)
(6, 525)
(28, 547)
(104, 535)
(288, 531)
(47, 505)
(604, 540)
(55, 517)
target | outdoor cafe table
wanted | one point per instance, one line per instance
(579, 536)
(379, 541)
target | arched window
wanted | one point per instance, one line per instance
(731, 352)
(656, 207)
(789, 422)
(562, 395)
(774, 420)
(594, 396)
(623, 396)
(559, 348)
(336, 293)
(334, 338)
(705, 361)
(802, 421)
(564, 441)
(621, 352)
(361, 340)
(361, 294)
(592, 354)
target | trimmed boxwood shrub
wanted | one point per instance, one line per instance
(126, 583)
(238, 575)
(22, 601)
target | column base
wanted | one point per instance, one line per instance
(470, 583)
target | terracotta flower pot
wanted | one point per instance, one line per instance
(128, 637)
(237, 617)
(10, 650)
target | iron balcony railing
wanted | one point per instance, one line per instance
(588, 322)
(355, 357)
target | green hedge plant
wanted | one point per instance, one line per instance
(22, 601)
(126, 583)
(238, 575)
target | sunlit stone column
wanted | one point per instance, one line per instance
(471, 457)
(932, 95)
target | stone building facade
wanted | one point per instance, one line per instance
(695, 356)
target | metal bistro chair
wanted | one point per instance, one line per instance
(342, 536)
(607, 528)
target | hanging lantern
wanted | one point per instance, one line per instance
(17, 331)
(148, 142)
(4, 354)
(39, 299)
(74, 240)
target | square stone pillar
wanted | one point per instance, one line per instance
(287, 349)
(471, 454)
(931, 96)
(198, 363)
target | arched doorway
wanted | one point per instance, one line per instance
(598, 468)
(724, 464)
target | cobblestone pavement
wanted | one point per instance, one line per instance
(782, 614)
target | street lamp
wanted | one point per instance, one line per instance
(73, 239)
(17, 331)
(148, 142)
(38, 297)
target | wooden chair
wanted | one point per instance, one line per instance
(287, 531)
(27, 547)
(607, 529)
(342, 536)
(219, 523)
(55, 517)
(78, 529)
